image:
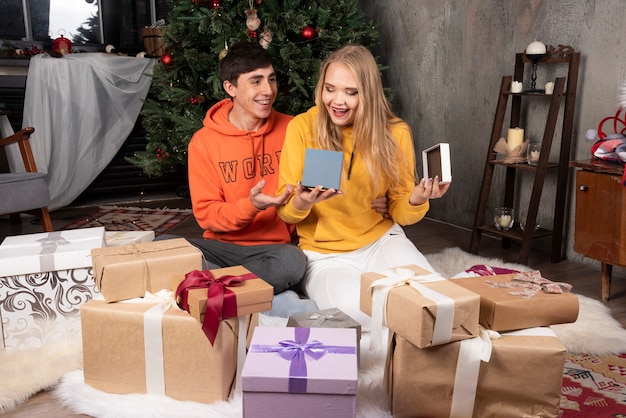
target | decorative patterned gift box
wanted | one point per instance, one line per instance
(223, 293)
(300, 372)
(423, 307)
(46, 277)
(128, 271)
(518, 375)
(117, 238)
(136, 348)
(502, 311)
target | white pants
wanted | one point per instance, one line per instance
(334, 280)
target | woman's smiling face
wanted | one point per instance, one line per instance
(340, 95)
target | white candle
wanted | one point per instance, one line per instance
(505, 221)
(549, 87)
(535, 48)
(516, 87)
(515, 138)
(534, 156)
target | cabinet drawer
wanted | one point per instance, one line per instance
(600, 225)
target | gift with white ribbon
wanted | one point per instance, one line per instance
(430, 298)
(495, 374)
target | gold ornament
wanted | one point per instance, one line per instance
(223, 52)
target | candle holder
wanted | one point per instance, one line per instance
(534, 58)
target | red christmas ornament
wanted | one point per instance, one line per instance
(167, 59)
(215, 4)
(307, 33)
(193, 100)
(252, 34)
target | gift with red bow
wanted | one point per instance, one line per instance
(211, 296)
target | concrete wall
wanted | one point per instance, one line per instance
(447, 59)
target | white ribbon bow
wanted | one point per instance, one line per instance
(444, 321)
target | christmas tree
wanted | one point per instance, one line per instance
(299, 34)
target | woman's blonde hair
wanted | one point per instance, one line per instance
(373, 140)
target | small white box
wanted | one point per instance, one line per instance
(436, 162)
(117, 238)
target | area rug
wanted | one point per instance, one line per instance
(585, 386)
(116, 218)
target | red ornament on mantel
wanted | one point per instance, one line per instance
(307, 33)
(167, 59)
(62, 45)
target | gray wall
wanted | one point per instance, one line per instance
(447, 59)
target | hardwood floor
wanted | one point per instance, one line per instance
(429, 236)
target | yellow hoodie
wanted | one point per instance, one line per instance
(345, 222)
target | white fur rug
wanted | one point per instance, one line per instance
(595, 332)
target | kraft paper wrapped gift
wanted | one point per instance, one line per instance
(429, 312)
(128, 271)
(518, 375)
(190, 369)
(300, 372)
(501, 311)
(117, 238)
(46, 277)
(249, 293)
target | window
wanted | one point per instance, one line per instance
(84, 22)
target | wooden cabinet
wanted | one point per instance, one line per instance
(564, 94)
(600, 224)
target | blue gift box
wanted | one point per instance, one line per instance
(300, 372)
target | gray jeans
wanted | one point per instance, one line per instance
(281, 265)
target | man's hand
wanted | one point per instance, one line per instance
(263, 201)
(381, 205)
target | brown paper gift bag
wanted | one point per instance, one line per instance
(129, 271)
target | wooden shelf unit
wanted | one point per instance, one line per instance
(564, 93)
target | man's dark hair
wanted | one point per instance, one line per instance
(243, 57)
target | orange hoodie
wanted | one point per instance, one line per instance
(224, 164)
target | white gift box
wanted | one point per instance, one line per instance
(49, 251)
(44, 279)
(116, 238)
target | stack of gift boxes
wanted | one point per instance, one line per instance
(470, 347)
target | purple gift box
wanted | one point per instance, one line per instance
(300, 372)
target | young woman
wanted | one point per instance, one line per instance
(339, 233)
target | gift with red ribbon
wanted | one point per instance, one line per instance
(211, 296)
(292, 371)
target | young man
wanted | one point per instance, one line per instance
(233, 174)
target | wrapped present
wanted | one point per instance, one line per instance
(326, 318)
(117, 238)
(504, 307)
(299, 372)
(49, 251)
(128, 271)
(139, 348)
(519, 374)
(423, 307)
(46, 277)
(223, 293)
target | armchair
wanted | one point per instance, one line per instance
(25, 192)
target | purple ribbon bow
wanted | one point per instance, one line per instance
(296, 351)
